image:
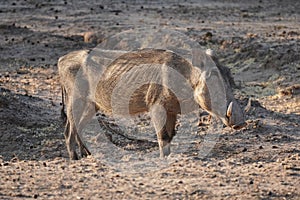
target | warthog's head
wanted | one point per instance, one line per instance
(234, 117)
(214, 94)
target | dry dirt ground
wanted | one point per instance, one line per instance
(259, 40)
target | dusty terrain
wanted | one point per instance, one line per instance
(259, 41)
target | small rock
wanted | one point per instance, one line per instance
(93, 37)
(23, 71)
(208, 35)
(251, 35)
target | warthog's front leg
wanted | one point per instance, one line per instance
(164, 124)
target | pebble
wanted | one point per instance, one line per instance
(93, 37)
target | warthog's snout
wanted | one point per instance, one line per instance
(237, 127)
(235, 117)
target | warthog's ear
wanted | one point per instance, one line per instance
(202, 59)
(210, 52)
(229, 110)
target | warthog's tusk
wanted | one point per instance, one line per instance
(229, 110)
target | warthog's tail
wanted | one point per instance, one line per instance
(62, 112)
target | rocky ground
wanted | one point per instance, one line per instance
(258, 40)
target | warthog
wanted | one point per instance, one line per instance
(150, 80)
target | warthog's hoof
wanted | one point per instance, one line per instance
(85, 152)
(74, 156)
(165, 150)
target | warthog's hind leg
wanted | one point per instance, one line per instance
(87, 115)
(84, 151)
(70, 141)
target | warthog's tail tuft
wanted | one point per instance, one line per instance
(62, 112)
